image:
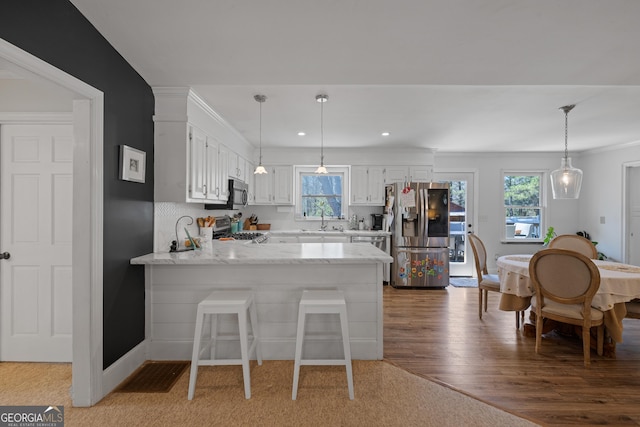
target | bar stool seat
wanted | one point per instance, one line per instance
(326, 302)
(243, 305)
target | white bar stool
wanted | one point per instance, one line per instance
(329, 301)
(226, 302)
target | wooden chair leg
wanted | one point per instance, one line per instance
(586, 345)
(538, 332)
(480, 303)
(600, 342)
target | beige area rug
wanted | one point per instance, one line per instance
(385, 395)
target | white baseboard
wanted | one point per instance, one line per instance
(115, 374)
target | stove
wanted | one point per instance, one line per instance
(222, 229)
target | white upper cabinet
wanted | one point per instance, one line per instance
(408, 174)
(420, 173)
(191, 161)
(274, 187)
(204, 178)
(283, 185)
(223, 171)
(197, 164)
(367, 185)
(238, 168)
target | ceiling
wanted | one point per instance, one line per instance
(450, 75)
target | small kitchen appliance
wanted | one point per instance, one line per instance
(238, 196)
(376, 221)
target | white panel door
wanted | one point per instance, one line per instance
(633, 206)
(461, 186)
(36, 165)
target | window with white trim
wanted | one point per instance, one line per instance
(523, 206)
(319, 194)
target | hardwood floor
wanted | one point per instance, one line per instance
(437, 334)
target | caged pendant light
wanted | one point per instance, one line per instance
(321, 99)
(566, 181)
(260, 169)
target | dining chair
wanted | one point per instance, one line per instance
(633, 309)
(486, 282)
(565, 282)
(573, 242)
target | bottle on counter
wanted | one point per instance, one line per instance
(353, 222)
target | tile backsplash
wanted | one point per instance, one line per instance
(281, 218)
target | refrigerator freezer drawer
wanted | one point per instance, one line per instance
(420, 268)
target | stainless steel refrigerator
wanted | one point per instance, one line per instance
(419, 216)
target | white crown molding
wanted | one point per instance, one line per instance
(615, 147)
(210, 111)
(179, 113)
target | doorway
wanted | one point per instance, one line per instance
(631, 234)
(87, 241)
(461, 213)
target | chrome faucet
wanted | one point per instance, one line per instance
(323, 226)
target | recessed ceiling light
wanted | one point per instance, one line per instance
(385, 134)
(301, 134)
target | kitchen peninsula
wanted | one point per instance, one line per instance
(278, 273)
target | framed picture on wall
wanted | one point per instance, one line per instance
(132, 164)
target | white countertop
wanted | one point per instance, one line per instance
(304, 232)
(242, 252)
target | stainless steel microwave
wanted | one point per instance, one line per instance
(238, 196)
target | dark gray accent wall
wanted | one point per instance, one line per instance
(56, 32)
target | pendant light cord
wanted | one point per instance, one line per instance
(566, 110)
(260, 132)
(322, 98)
(322, 133)
(260, 99)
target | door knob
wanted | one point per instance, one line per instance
(5, 255)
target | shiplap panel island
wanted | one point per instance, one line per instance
(277, 273)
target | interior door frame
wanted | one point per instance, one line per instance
(626, 208)
(87, 253)
(472, 218)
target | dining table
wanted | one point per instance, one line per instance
(619, 283)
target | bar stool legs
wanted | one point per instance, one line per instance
(240, 303)
(322, 302)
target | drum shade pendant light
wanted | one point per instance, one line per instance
(260, 169)
(566, 181)
(321, 99)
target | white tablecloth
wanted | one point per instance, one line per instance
(619, 283)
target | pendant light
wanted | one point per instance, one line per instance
(321, 99)
(566, 181)
(260, 169)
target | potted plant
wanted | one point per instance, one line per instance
(551, 233)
